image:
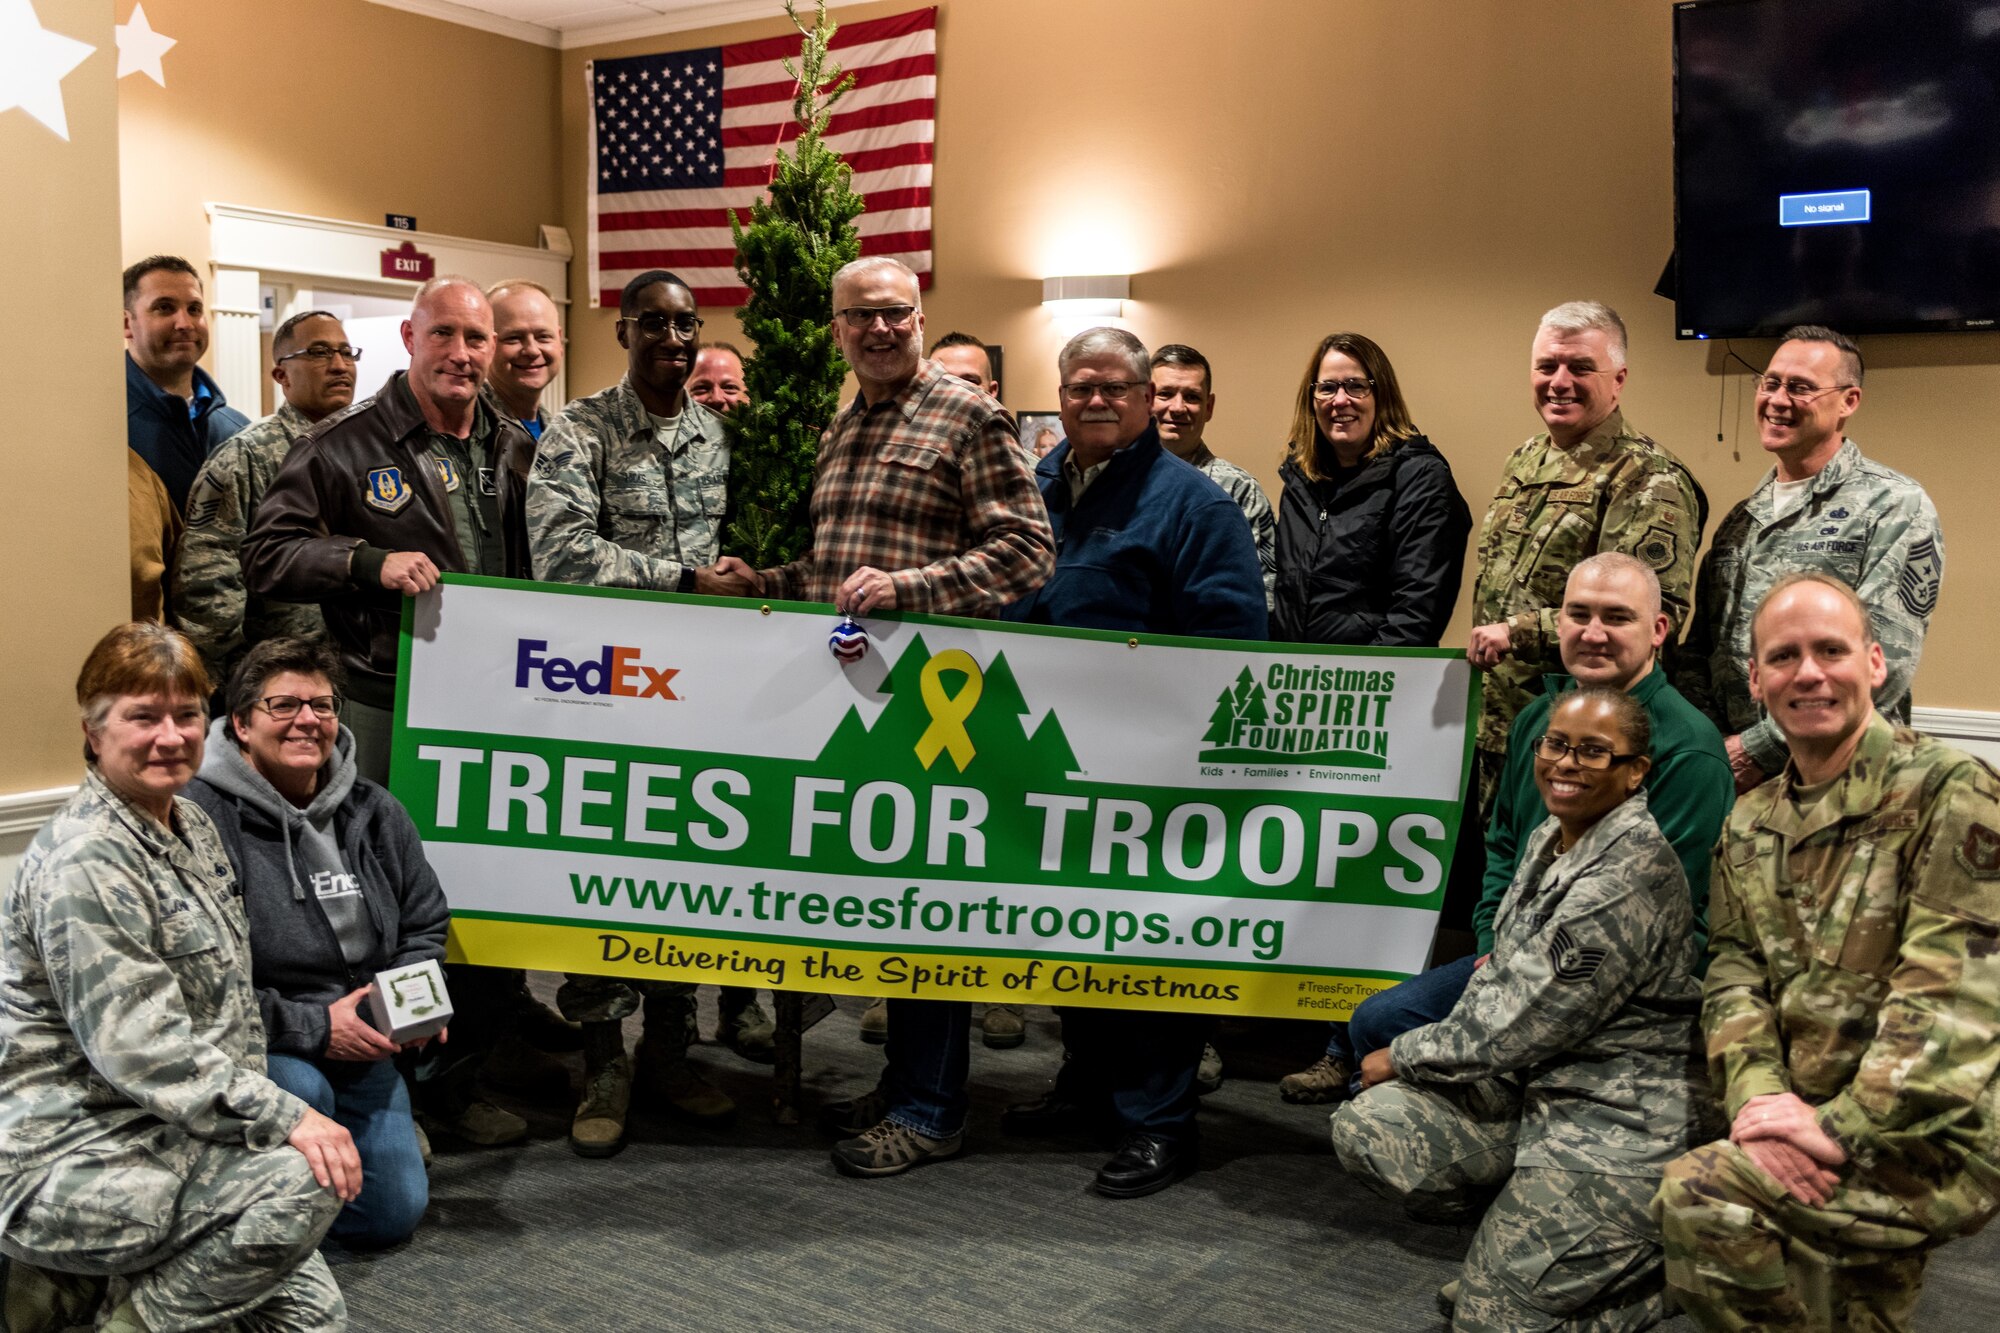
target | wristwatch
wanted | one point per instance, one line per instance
(687, 579)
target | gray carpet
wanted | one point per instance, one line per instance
(752, 1229)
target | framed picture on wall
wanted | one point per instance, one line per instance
(1040, 431)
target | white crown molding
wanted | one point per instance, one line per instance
(23, 812)
(688, 18)
(467, 17)
(1957, 723)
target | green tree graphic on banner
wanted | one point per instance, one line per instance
(996, 727)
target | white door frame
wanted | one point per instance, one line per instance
(252, 247)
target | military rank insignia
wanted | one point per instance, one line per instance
(1573, 962)
(1917, 585)
(386, 490)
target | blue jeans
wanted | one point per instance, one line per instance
(369, 1100)
(1386, 1015)
(1139, 1064)
(928, 1065)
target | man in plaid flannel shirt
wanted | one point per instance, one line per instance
(922, 501)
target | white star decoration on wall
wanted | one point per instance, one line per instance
(140, 48)
(33, 64)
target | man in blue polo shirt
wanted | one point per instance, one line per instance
(175, 415)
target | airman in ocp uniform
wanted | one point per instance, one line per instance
(628, 491)
(314, 367)
(1852, 1009)
(1589, 483)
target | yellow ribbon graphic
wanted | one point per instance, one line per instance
(948, 712)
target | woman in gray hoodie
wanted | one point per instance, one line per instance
(336, 888)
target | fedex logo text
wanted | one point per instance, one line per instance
(614, 671)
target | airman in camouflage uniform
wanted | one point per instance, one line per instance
(139, 1138)
(315, 371)
(1872, 526)
(627, 491)
(1565, 1079)
(1589, 483)
(1852, 1006)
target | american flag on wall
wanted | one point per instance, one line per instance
(680, 140)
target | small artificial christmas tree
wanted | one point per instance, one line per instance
(797, 238)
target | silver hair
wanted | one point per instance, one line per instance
(1617, 562)
(875, 264)
(1579, 316)
(1101, 340)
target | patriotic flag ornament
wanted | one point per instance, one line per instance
(848, 642)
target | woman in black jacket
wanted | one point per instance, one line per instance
(336, 889)
(1371, 527)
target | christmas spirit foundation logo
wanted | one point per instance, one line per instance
(1303, 714)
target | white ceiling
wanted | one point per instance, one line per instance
(567, 23)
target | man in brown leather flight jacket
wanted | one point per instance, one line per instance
(375, 502)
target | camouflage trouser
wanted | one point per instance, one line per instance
(1743, 1254)
(584, 998)
(1555, 1250)
(1487, 766)
(199, 1233)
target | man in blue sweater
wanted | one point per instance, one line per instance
(1145, 543)
(175, 415)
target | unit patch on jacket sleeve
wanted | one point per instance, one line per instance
(387, 491)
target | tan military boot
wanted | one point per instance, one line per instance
(875, 1022)
(669, 1080)
(1001, 1027)
(599, 1127)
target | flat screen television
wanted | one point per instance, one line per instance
(1836, 162)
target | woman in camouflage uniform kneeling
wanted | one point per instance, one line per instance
(139, 1139)
(1562, 1083)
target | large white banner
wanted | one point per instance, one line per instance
(693, 788)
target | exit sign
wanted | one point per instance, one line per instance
(409, 263)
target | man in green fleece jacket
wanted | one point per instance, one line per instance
(1609, 629)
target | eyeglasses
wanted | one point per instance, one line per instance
(1355, 389)
(324, 352)
(861, 318)
(1587, 755)
(1112, 391)
(654, 325)
(1797, 390)
(285, 707)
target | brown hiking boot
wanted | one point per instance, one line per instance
(599, 1127)
(668, 1079)
(889, 1149)
(1325, 1081)
(1001, 1026)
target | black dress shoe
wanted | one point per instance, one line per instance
(1049, 1116)
(1145, 1164)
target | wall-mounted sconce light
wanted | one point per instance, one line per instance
(1100, 294)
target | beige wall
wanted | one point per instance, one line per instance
(1404, 171)
(1433, 173)
(338, 109)
(62, 511)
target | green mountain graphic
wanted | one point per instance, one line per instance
(996, 727)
